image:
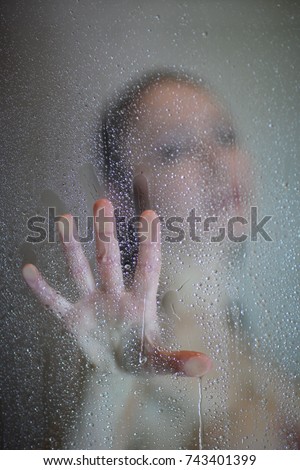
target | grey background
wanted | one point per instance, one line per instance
(60, 62)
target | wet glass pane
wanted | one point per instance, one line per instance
(189, 109)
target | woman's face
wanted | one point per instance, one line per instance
(184, 144)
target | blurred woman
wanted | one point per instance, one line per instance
(178, 187)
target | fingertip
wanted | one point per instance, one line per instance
(102, 204)
(66, 216)
(30, 273)
(198, 365)
(149, 214)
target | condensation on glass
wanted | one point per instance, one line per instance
(190, 110)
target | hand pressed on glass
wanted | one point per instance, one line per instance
(116, 327)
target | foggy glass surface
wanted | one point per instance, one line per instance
(62, 64)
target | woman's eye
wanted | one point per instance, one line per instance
(225, 136)
(169, 153)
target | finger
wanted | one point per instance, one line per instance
(147, 272)
(107, 247)
(79, 265)
(186, 363)
(46, 294)
(149, 258)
